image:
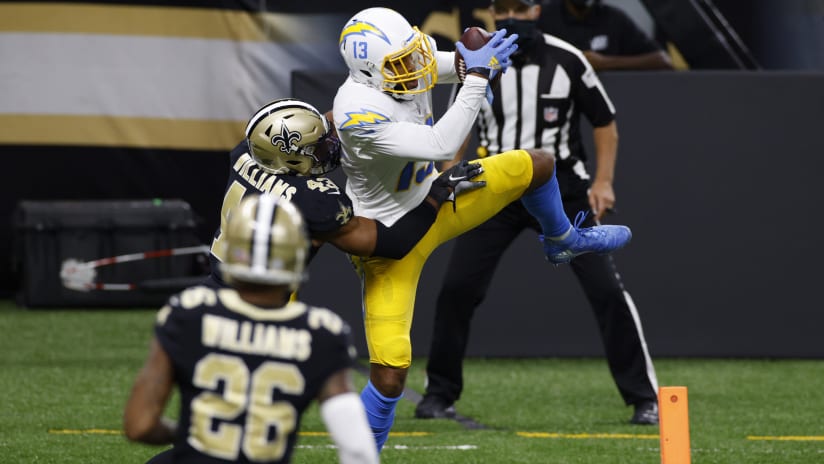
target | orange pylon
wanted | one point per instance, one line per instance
(674, 425)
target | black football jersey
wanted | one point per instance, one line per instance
(324, 205)
(246, 374)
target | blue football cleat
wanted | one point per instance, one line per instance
(598, 239)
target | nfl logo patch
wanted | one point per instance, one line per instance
(550, 114)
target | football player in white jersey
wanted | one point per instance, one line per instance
(383, 115)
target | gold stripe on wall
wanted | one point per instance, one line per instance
(132, 20)
(128, 132)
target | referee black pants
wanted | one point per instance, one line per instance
(474, 258)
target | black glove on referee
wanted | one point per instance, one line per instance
(455, 181)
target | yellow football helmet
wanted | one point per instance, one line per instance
(266, 243)
(383, 51)
(289, 136)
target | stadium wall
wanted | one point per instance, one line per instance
(716, 176)
(716, 171)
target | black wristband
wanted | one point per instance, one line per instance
(396, 241)
(486, 72)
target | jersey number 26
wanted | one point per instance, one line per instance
(244, 391)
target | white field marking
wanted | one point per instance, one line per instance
(783, 452)
(787, 438)
(617, 436)
(403, 447)
(443, 447)
(614, 436)
(303, 434)
(391, 434)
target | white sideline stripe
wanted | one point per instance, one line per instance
(402, 447)
(785, 438)
(647, 359)
(586, 436)
(472, 447)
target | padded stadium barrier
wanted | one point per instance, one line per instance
(105, 253)
(717, 175)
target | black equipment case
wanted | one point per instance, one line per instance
(48, 234)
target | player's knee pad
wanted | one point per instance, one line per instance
(394, 351)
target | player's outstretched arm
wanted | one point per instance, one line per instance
(142, 418)
(366, 237)
(343, 414)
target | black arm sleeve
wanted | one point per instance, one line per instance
(396, 241)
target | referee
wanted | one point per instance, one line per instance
(538, 103)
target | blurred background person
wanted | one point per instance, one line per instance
(608, 37)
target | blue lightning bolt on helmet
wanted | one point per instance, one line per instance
(383, 51)
(288, 136)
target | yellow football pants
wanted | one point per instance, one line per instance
(389, 286)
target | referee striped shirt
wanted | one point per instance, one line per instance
(538, 105)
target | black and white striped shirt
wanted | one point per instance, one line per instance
(538, 104)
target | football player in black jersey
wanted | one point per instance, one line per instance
(289, 147)
(247, 361)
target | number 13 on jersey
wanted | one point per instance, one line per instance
(417, 171)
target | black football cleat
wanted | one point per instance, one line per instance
(646, 413)
(434, 407)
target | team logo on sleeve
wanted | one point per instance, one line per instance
(599, 42)
(286, 139)
(344, 215)
(362, 118)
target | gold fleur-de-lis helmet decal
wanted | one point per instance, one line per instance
(286, 141)
(288, 136)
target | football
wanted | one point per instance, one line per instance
(473, 38)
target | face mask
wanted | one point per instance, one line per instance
(526, 29)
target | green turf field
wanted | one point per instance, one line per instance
(65, 376)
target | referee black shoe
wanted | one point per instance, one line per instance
(646, 413)
(434, 407)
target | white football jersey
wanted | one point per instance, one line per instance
(390, 144)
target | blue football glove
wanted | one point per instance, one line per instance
(505, 64)
(489, 95)
(493, 56)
